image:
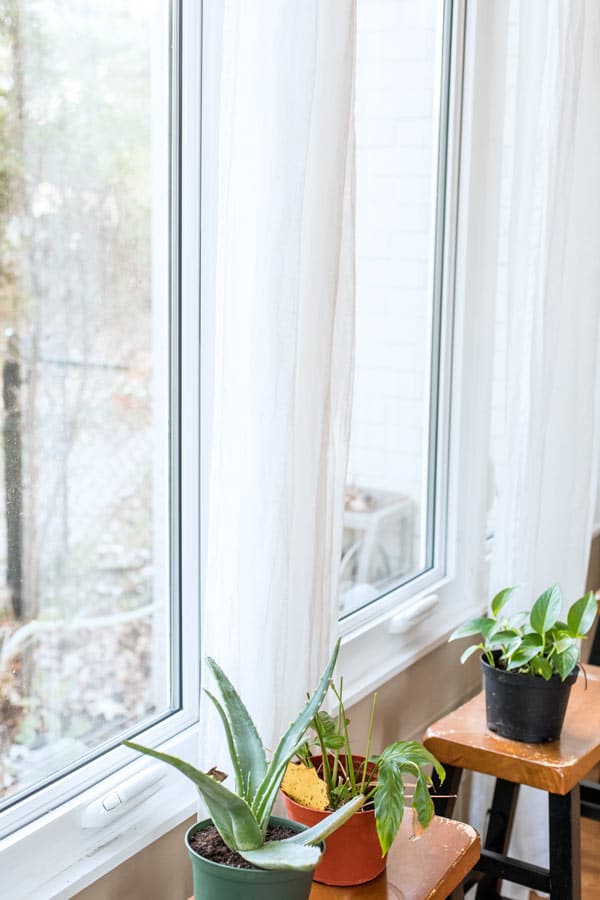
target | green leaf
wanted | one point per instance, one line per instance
(563, 644)
(541, 666)
(267, 791)
(565, 662)
(482, 625)
(530, 646)
(546, 610)
(276, 855)
(422, 801)
(328, 825)
(582, 614)
(469, 652)
(500, 600)
(242, 733)
(327, 729)
(232, 817)
(389, 802)
(240, 787)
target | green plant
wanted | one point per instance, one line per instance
(241, 817)
(379, 777)
(536, 642)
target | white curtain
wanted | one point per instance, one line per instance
(549, 325)
(284, 336)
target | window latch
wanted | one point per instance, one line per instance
(407, 619)
(122, 798)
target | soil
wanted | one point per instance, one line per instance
(209, 844)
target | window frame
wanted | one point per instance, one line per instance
(391, 633)
(52, 816)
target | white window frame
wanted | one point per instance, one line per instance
(390, 634)
(47, 826)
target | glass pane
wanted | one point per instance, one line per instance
(388, 523)
(84, 496)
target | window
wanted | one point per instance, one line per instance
(99, 283)
(407, 496)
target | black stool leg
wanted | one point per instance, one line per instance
(565, 854)
(498, 832)
(445, 803)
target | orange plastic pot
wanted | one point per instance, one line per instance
(352, 853)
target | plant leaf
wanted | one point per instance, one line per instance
(249, 749)
(240, 787)
(541, 666)
(422, 801)
(389, 802)
(482, 625)
(402, 752)
(469, 652)
(565, 662)
(328, 825)
(530, 646)
(276, 855)
(546, 609)
(266, 794)
(500, 600)
(582, 614)
(232, 817)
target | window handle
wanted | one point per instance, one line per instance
(418, 612)
(122, 798)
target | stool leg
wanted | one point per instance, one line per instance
(498, 832)
(444, 804)
(565, 855)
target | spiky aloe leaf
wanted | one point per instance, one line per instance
(275, 855)
(328, 825)
(242, 733)
(240, 787)
(232, 817)
(267, 791)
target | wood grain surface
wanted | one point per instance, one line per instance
(462, 739)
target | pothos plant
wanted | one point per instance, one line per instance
(378, 777)
(241, 816)
(537, 642)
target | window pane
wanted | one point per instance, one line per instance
(389, 522)
(84, 490)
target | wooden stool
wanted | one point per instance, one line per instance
(462, 741)
(431, 867)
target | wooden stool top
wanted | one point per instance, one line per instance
(461, 739)
(429, 867)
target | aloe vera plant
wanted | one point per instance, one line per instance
(241, 816)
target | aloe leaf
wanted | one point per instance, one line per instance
(546, 610)
(582, 614)
(231, 815)
(565, 662)
(249, 749)
(239, 782)
(481, 625)
(500, 600)
(328, 825)
(280, 855)
(266, 793)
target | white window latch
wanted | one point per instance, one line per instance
(122, 798)
(414, 615)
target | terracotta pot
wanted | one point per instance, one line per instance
(352, 853)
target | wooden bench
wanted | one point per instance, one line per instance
(462, 741)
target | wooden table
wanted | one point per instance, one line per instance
(430, 867)
(461, 741)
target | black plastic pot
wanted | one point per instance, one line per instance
(525, 707)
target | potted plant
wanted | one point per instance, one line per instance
(328, 774)
(242, 850)
(529, 662)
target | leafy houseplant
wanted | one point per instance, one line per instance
(329, 774)
(530, 662)
(283, 867)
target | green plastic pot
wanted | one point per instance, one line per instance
(213, 881)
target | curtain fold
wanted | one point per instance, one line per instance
(283, 352)
(549, 294)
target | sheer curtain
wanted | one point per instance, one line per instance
(550, 294)
(284, 324)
